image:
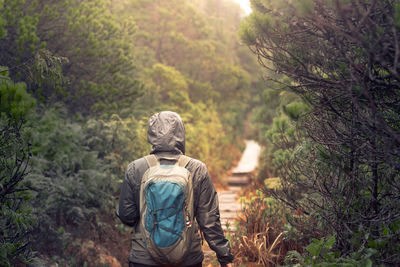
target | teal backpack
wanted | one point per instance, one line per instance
(166, 208)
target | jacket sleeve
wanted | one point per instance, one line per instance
(128, 211)
(208, 218)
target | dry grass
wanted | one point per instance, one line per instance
(264, 249)
(259, 240)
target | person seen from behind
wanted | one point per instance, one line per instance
(167, 198)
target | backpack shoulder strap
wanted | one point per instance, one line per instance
(183, 161)
(151, 160)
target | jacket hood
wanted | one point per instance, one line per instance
(166, 133)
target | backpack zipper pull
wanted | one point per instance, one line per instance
(188, 222)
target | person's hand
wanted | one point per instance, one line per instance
(227, 265)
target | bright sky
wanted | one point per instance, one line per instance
(245, 4)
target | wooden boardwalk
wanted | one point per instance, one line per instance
(229, 205)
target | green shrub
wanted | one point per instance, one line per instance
(70, 182)
(321, 253)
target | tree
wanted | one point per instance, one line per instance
(16, 219)
(342, 58)
(92, 44)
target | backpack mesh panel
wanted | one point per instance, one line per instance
(164, 215)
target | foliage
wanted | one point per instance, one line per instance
(15, 102)
(187, 68)
(259, 237)
(117, 142)
(76, 171)
(340, 166)
(319, 253)
(186, 44)
(16, 219)
(69, 182)
(98, 69)
(100, 72)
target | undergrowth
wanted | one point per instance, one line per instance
(260, 238)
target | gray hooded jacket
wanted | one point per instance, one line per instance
(166, 134)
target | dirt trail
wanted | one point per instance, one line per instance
(228, 199)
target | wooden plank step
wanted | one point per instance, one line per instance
(236, 207)
(238, 180)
